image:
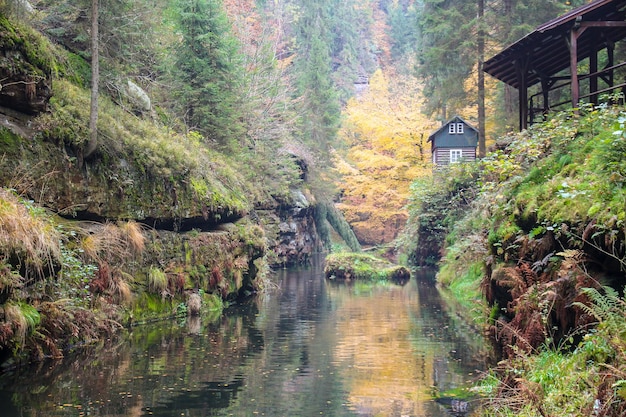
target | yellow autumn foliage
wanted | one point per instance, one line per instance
(385, 133)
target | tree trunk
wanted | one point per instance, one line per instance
(481, 79)
(92, 144)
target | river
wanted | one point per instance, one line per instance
(313, 348)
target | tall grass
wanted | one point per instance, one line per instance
(24, 319)
(157, 281)
(28, 234)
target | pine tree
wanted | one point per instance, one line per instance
(206, 69)
(313, 73)
(446, 55)
(402, 19)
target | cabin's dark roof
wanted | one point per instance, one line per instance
(547, 45)
(443, 126)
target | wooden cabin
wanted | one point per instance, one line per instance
(455, 141)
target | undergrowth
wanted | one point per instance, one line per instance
(541, 233)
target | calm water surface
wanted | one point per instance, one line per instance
(314, 348)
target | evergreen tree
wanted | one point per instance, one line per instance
(206, 70)
(92, 144)
(446, 53)
(320, 109)
(402, 18)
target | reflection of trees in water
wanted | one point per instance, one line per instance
(311, 348)
(384, 371)
(295, 374)
(161, 365)
(461, 349)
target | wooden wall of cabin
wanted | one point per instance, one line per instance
(441, 156)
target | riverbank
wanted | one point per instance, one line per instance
(536, 229)
(155, 221)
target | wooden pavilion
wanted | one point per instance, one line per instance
(548, 59)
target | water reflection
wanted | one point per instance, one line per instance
(313, 349)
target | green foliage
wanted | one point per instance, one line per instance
(565, 381)
(76, 275)
(213, 302)
(312, 69)
(206, 67)
(402, 18)
(608, 308)
(436, 203)
(31, 316)
(549, 192)
(555, 174)
(447, 40)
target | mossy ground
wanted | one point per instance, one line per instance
(541, 222)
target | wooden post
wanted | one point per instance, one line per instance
(522, 77)
(593, 69)
(610, 51)
(573, 65)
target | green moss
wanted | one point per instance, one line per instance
(361, 266)
(77, 70)
(9, 142)
(149, 307)
(37, 50)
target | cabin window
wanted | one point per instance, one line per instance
(455, 128)
(455, 155)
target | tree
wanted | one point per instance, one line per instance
(480, 45)
(386, 133)
(207, 65)
(446, 56)
(402, 20)
(92, 144)
(312, 73)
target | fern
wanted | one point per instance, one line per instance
(606, 306)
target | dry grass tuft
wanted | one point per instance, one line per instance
(133, 235)
(113, 283)
(157, 281)
(28, 235)
(109, 241)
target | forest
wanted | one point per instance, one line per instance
(160, 157)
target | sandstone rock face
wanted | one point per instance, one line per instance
(138, 97)
(377, 231)
(291, 231)
(26, 66)
(22, 87)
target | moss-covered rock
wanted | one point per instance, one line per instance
(348, 266)
(26, 68)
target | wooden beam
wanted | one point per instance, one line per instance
(605, 24)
